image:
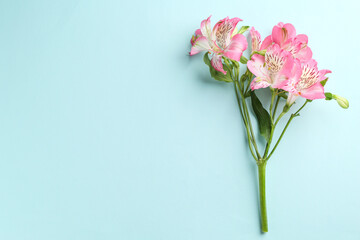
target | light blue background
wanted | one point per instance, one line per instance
(109, 130)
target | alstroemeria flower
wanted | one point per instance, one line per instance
(307, 85)
(285, 36)
(221, 41)
(273, 69)
(256, 44)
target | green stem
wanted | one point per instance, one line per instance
(278, 119)
(247, 117)
(286, 126)
(301, 107)
(263, 212)
(282, 133)
(250, 76)
(276, 105)
(244, 120)
(272, 103)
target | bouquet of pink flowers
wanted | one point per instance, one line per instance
(281, 62)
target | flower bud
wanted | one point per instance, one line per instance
(286, 108)
(343, 102)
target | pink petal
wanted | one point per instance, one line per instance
(231, 21)
(217, 63)
(302, 38)
(294, 78)
(256, 66)
(259, 83)
(322, 74)
(290, 30)
(255, 40)
(304, 55)
(195, 36)
(200, 44)
(291, 46)
(206, 28)
(234, 21)
(316, 91)
(266, 43)
(311, 63)
(282, 32)
(236, 47)
(198, 32)
(291, 98)
(278, 35)
(282, 78)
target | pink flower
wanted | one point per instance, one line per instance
(306, 83)
(221, 41)
(256, 44)
(297, 74)
(255, 40)
(274, 69)
(285, 36)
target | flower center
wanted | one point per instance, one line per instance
(223, 34)
(292, 49)
(274, 62)
(308, 78)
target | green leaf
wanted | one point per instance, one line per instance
(263, 117)
(243, 29)
(262, 52)
(323, 82)
(243, 60)
(206, 59)
(216, 74)
(328, 96)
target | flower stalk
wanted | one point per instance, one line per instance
(260, 161)
(262, 194)
(281, 62)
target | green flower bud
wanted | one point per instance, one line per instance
(286, 108)
(343, 102)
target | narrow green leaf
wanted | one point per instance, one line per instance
(263, 117)
(243, 29)
(262, 52)
(206, 59)
(243, 60)
(323, 82)
(216, 74)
